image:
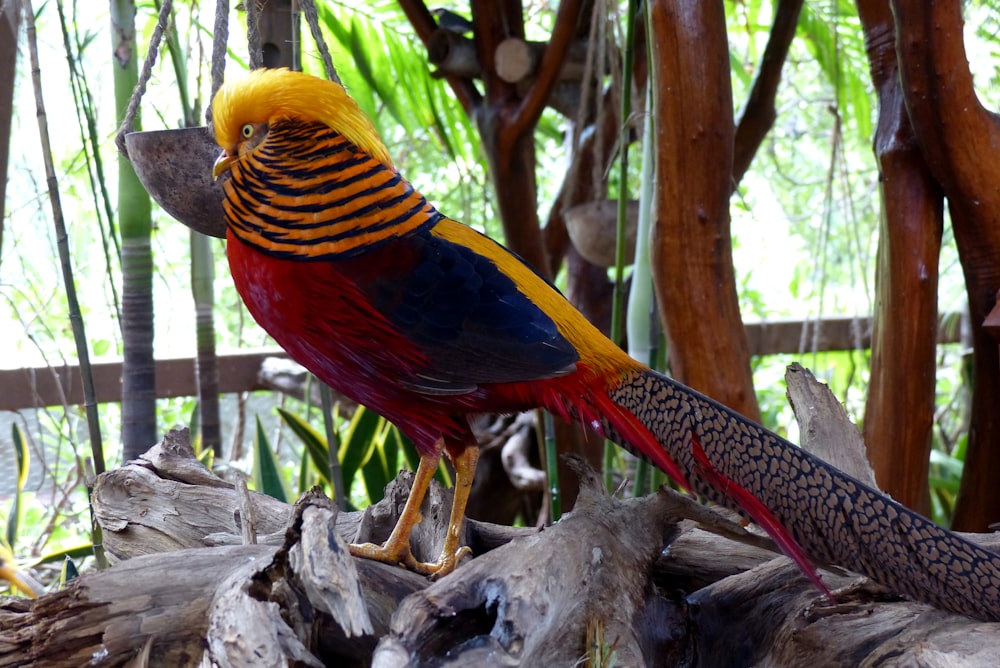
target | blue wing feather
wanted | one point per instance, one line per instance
(469, 319)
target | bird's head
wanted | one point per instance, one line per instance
(245, 108)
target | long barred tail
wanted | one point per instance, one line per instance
(832, 516)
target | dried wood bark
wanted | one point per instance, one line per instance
(599, 580)
(825, 429)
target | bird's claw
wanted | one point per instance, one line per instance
(445, 564)
(386, 553)
(402, 556)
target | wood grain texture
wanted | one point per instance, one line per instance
(958, 137)
(691, 244)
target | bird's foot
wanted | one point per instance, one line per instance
(400, 555)
(387, 553)
(445, 564)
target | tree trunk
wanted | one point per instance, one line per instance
(958, 138)
(899, 412)
(692, 249)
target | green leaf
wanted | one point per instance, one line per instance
(267, 476)
(834, 36)
(78, 552)
(316, 445)
(377, 470)
(22, 458)
(194, 428)
(389, 69)
(357, 442)
(409, 450)
(69, 571)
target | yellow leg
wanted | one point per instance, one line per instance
(396, 549)
(451, 553)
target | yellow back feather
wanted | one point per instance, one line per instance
(270, 95)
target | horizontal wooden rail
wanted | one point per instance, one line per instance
(53, 386)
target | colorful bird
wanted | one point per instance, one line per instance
(427, 321)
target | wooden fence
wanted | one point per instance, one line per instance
(53, 386)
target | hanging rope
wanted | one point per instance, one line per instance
(128, 122)
(221, 38)
(312, 20)
(253, 34)
(219, 41)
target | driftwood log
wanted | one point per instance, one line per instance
(206, 573)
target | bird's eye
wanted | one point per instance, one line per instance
(247, 131)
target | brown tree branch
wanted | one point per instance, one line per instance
(425, 25)
(594, 148)
(493, 21)
(692, 248)
(532, 104)
(900, 406)
(759, 113)
(958, 138)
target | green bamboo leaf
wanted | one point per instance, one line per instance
(361, 74)
(267, 475)
(390, 448)
(370, 61)
(373, 475)
(303, 477)
(948, 465)
(22, 458)
(409, 450)
(316, 446)
(443, 125)
(388, 66)
(834, 36)
(194, 428)
(737, 67)
(375, 471)
(355, 449)
(78, 552)
(944, 484)
(207, 458)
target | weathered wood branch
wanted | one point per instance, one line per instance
(424, 24)
(600, 578)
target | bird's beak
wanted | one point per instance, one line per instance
(222, 164)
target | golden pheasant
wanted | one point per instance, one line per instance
(427, 321)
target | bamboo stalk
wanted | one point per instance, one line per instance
(66, 263)
(135, 219)
(618, 298)
(84, 102)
